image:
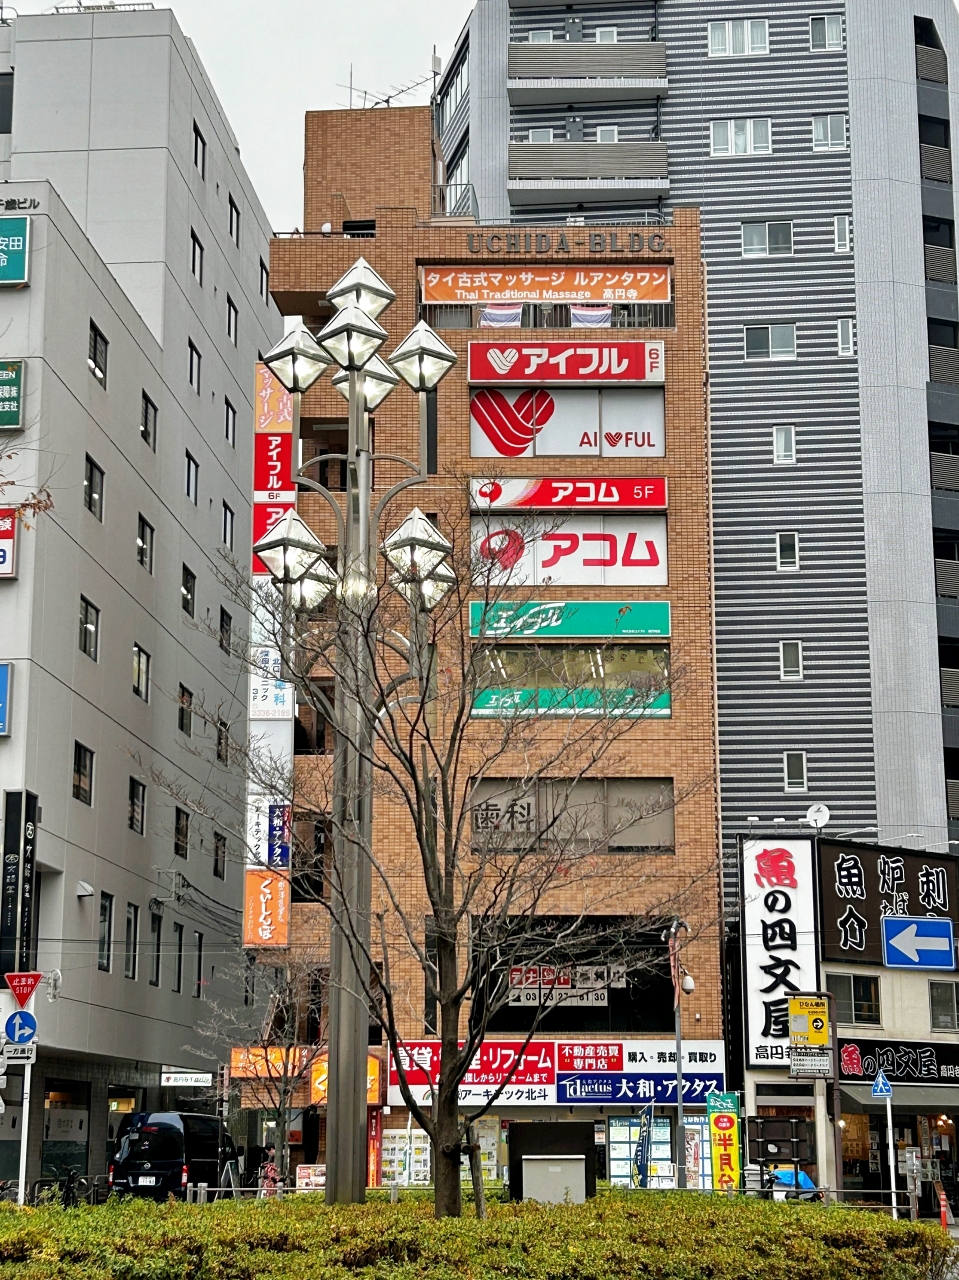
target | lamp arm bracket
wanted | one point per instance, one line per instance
(388, 497)
(315, 487)
(382, 701)
(394, 457)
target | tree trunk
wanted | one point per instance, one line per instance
(476, 1171)
(446, 1154)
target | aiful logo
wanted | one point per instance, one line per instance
(511, 426)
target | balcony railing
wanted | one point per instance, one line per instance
(952, 797)
(949, 683)
(940, 263)
(455, 200)
(931, 64)
(947, 577)
(583, 71)
(935, 163)
(944, 470)
(943, 364)
(634, 315)
(580, 172)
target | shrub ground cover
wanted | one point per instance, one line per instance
(653, 1235)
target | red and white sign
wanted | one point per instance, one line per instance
(8, 542)
(265, 516)
(592, 1055)
(273, 490)
(491, 1066)
(23, 986)
(547, 494)
(615, 423)
(566, 363)
(272, 466)
(582, 551)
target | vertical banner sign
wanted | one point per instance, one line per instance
(17, 941)
(779, 942)
(8, 542)
(11, 394)
(6, 695)
(273, 492)
(722, 1110)
(266, 908)
(14, 252)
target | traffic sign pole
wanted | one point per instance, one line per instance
(25, 1123)
(892, 1153)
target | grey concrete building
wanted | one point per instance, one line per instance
(146, 306)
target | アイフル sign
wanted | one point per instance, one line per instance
(627, 422)
(583, 551)
(641, 493)
(580, 362)
(779, 942)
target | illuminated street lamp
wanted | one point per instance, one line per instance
(362, 286)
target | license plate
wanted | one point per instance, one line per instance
(148, 1181)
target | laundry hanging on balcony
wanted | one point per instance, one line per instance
(590, 317)
(501, 315)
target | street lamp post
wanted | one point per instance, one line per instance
(683, 984)
(417, 553)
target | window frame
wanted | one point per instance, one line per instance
(229, 422)
(939, 982)
(98, 354)
(83, 765)
(751, 149)
(792, 675)
(780, 459)
(826, 47)
(105, 935)
(192, 478)
(184, 712)
(264, 282)
(86, 645)
(156, 949)
(178, 931)
(852, 979)
(148, 421)
(181, 833)
(795, 790)
(198, 961)
(607, 142)
(766, 252)
(94, 486)
(195, 365)
(539, 35)
(137, 806)
(770, 358)
(226, 630)
(839, 220)
(188, 591)
(829, 145)
(146, 535)
(199, 151)
(232, 321)
(196, 257)
(542, 142)
(228, 525)
(219, 855)
(615, 31)
(131, 942)
(782, 565)
(141, 666)
(845, 338)
(234, 221)
(223, 743)
(728, 51)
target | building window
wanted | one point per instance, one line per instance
(199, 150)
(942, 1006)
(229, 422)
(89, 628)
(228, 522)
(264, 281)
(196, 257)
(188, 591)
(770, 342)
(97, 356)
(234, 222)
(842, 232)
(136, 817)
(829, 133)
(784, 445)
(457, 83)
(93, 488)
(844, 337)
(223, 742)
(226, 630)
(219, 855)
(105, 935)
(181, 833)
(794, 771)
(790, 660)
(156, 945)
(607, 133)
(740, 38)
(141, 672)
(198, 968)
(825, 34)
(184, 712)
(540, 135)
(857, 998)
(740, 137)
(787, 552)
(541, 37)
(148, 421)
(145, 543)
(196, 360)
(606, 35)
(192, 478)
(82, 773)
(177, 956)
(131, 941)
(767, 239)
(232, 320)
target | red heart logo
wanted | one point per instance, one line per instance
(613, 438)
(511, 427)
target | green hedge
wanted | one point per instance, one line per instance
(653, 1235)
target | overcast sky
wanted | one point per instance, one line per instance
(272, 60)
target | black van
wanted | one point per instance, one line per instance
(159, 1152)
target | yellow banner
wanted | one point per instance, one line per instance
(723, 1109)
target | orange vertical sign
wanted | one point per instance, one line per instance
(266, 908)
(274, 404)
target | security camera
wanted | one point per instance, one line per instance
(688, 984)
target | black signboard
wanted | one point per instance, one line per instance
(902, 1061)
(861, 884)
(17, 915)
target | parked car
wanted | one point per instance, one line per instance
(159, 1152)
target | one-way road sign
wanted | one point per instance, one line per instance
(918, 942)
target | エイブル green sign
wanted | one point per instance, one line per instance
(11, 395)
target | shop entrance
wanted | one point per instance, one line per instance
(122, 1100)
(66, 1128)
(866, 1161)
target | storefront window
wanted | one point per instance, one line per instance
(857, 998)
(66, 1128)
(942, 1006)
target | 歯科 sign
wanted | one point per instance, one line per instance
(586, 619)
(583, 551)
(722, 1110)
(779, 942)
(537, 282)
(641, 493)
(14, 252)
(582, 362)
(863, 887)
(809, 1020)
(622, 422)
(11, 394)
(270, 697)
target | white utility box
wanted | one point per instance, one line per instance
(554, 1179)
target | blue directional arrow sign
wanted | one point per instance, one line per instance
(21, 1027)
(881, 1088)
(918, 942)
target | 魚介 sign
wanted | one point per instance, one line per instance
(582, 551)
(626, 422)
(779, 942)
(581, 362)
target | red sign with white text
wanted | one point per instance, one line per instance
(591, 1055)
(492, 1064)
(599, 494)
(23, 986)
(272, 465)
(265, 516)
(566, 363)
(8, 542)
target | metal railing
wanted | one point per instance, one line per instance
(949, 683)
(947, 577)
(952, 797)
(935, 163)
(455, 200)
(943, 364)
(944, 470)
(536, 315)
(940, 263)
(931, 64)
